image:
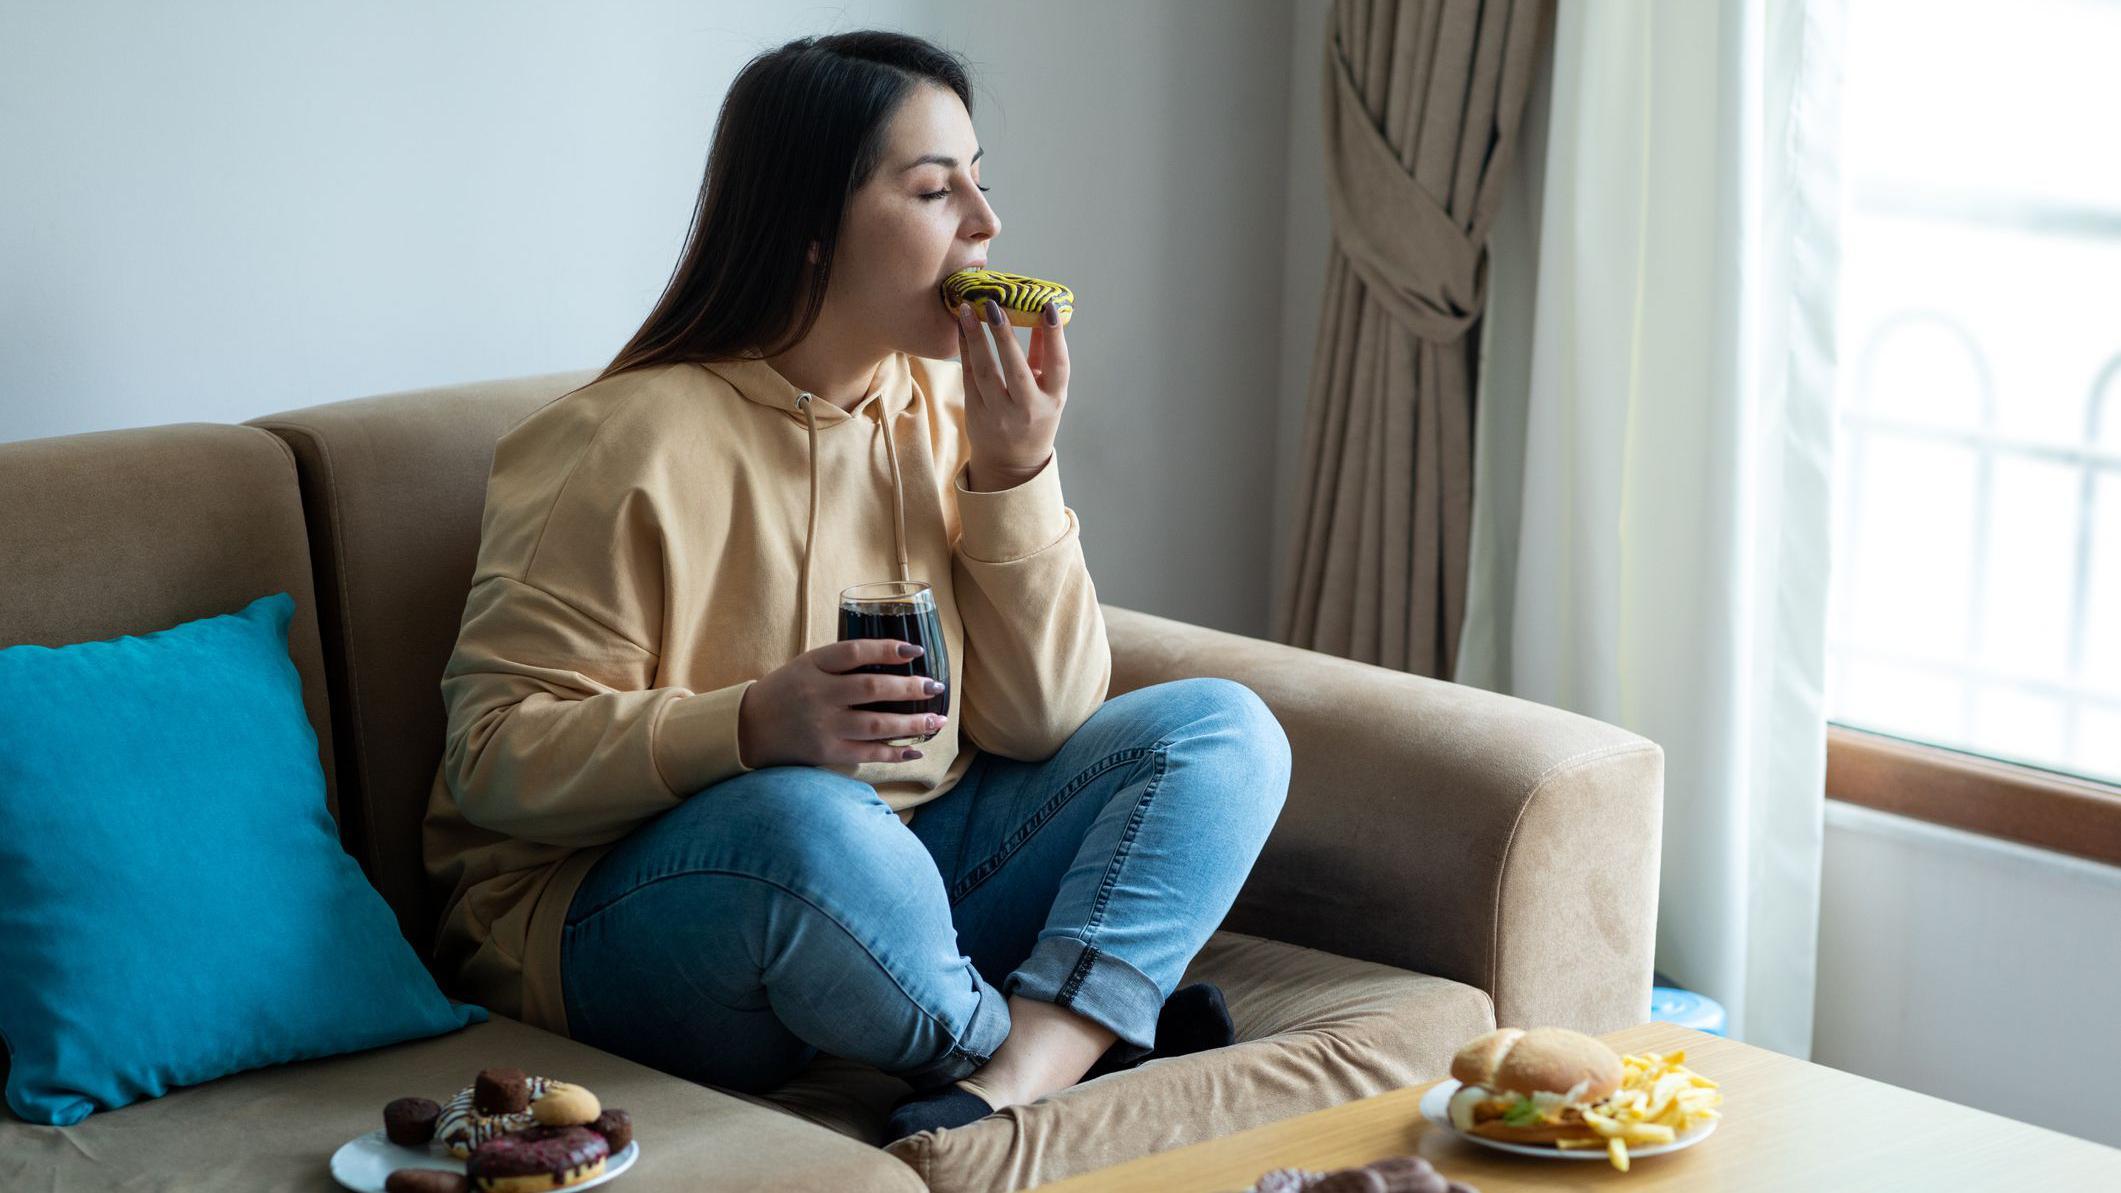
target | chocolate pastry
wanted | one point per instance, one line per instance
(1348, 1180)
(1393, 1174)
(538, 1158)
(616, 1126)
(501, 1091)
(1409, 1174)
(426, 1180)
(410, 1122)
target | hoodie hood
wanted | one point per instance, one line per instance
(890, 389)
(890, 392)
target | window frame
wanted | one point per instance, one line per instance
(2051, 810)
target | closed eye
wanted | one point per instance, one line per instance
(931, 195)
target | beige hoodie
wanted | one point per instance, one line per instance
(656, 541)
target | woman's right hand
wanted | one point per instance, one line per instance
(802, 713)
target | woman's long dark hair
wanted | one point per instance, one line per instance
(800, 131)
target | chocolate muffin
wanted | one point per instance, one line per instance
(537, 1158)
(501, 1091)
(410, 1122)
(616, 1126)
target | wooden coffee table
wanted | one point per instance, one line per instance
(1787, 1125)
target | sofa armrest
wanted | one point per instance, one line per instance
(1442, 828)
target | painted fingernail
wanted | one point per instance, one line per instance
(1052, 315)
(908, 755)
(907, 650)
(964, 310)
(933, 724)
(994, 311)
(932, 687)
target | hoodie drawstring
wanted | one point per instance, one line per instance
(802, 606)
(898, 515)
(898, 493)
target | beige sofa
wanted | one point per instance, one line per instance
(1447, 859)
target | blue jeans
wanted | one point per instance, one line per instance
(788, 910)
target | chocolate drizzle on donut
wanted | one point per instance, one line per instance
(462, 1128)
(537, 1151)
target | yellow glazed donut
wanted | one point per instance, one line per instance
(462, 1128)
(1022, 299)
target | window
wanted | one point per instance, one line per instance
(1977, 583)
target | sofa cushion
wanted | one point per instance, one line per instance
(120, 532)
(124, 532)
(175, 904)
(277, 1128)
(1314, 1030)
(394, 487)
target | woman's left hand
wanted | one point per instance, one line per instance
(1012, 403)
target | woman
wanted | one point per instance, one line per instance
(665, 828)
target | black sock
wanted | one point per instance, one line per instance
(1194, 1019)
(936, 1110)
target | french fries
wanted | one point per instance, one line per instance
(1658, 1100)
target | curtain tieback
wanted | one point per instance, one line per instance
(1415, 259)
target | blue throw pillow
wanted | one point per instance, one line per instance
(174, 902)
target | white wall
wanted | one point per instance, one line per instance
(1973, 969)
(1306, 245)
(218, 210)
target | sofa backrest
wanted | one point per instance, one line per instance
(128, 532)
(393, 488)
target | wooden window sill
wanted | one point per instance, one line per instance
(2065, 813)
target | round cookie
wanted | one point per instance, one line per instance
(566, 1105)
(462, 1128)
(537, 1158)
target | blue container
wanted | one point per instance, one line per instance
(1670, 1004)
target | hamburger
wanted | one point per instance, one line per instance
(1532, 1086)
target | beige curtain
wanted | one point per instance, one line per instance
(1422, 106)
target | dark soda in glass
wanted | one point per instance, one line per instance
(903, 610)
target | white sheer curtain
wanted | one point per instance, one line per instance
(1653, 449)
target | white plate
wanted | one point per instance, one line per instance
(366, 1161)
(1436, 1107)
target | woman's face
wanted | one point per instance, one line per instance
(914, 223)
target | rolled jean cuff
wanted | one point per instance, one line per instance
(1096, 985)
(974, 1047)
